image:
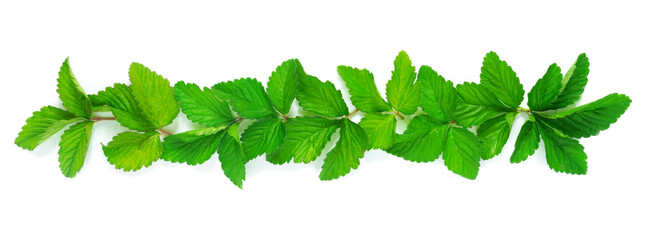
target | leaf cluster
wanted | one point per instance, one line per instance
(461, 123)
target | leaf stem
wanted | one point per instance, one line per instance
(398, 114)
(351, 113)
(164, 131)
(523, 110)
(97, 119)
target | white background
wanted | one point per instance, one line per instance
(386, 197)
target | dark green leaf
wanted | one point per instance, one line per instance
(588, 120)
(546, 89)
(122, 103)
(131, 151)
(476, 105)
(283, 83)
(321, 98)
(563, 154)
(573, 83)
(202, 106)
(42, 125)
(501, 80)
(247, 97)
(363, 91)
(71, 94)
(263, 136)
(305, 140)
(380, 129)
(401, 92)
(192, 147)
(154, 95)
(422, 141)
(438, 95)
(462, 152)
(233, 161)
(73, 148)
(493, 134)
(527, 142)
(346, 154)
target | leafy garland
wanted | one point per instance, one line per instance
(464, 123)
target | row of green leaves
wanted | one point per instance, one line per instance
(464, 123)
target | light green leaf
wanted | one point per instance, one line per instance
(422, 141)
(501, 80)
(493, 134)
(42, 125)
(588, 120)
(263, 136)
(346, 154)
(131, 151)
(401, 91)
(563, 154)
(462, 152)
(363, 91)
(233, 160)
(154, 95)
(283, 83)
(573, 83)
(380, 129)
(192, 147)
(438, 95)
(321, 98)
(476, 105)
(73, 148)
(247, 97)
(202, 106)
(527, 142)
(122, 103)
(71, 94)
(305, 140)
(546, 89)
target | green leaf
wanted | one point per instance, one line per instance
(363, 91)
(493, 134)
(122, 103)
(501, 80)
(73, 148)
(573, 83)
(346, 154)
(462, 152)
(588, 120)
(263, 136)
(247, 97)
(71, 94)
(202, 106)
(401, 91)
(527, 142)
(476, 105)
(380, 129)
(283, 83)
(233, 160)
(192, 147)
(563, 154)
(131, 151)
(422, 141)
(321, 98)
(305, 140)
(154, 95)
(546, 89)
(42, 125)
(438, 95)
